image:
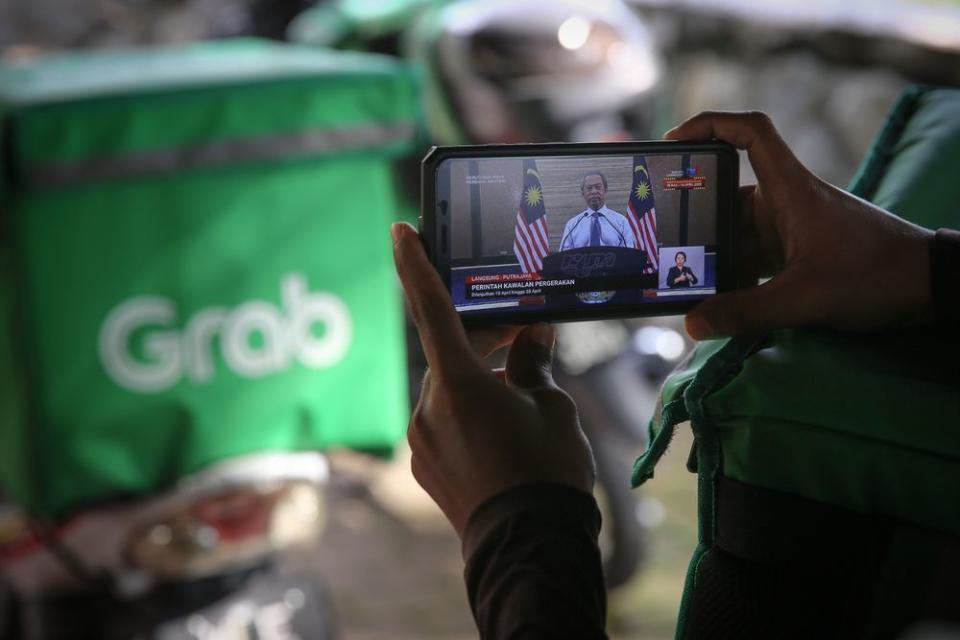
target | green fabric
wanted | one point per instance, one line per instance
(764, 412)
(913, 556)
(709, 366)
(270, 318)
(15, 451)
(867, 422)
(353, 23)
(71, 109)
(912, 166)
(671, 410)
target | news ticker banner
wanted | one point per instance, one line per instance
(530, 289)
(513, 285)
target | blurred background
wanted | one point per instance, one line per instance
(237, 551)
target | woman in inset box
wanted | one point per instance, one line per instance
(680, 275)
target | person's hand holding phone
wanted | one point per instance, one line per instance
(807, 234)
(476, 432)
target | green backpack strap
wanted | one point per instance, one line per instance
(671, 410)
(710, 366)
(910, 168)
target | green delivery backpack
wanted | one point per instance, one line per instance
(194, 263)
(829, 464)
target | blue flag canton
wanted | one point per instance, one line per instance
(531, 200)
(641, 192)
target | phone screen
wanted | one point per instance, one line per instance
(532, 234)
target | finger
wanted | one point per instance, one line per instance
(753, 131)
(748, 255)
(419, 409)
(425, 384)
(444, 341)
(786, 300)
(486, 341)
(759, 250)
(530, 359)
(745, 200)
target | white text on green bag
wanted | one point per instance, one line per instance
(170, 354)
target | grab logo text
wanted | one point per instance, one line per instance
(169, 354)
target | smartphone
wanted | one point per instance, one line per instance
(553, 232)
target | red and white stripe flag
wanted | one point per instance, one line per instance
(642, 214)
(531, 239)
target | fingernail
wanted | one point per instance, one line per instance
(668, 133)
(395, 231)
(544, 334)
(698, 327)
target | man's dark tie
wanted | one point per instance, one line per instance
(595, 240)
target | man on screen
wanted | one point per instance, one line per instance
(597, 225)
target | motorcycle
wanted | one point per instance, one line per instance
(201, 561)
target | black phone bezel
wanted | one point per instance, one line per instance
(435, 220)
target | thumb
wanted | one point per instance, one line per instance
(530, 359)
(775, 304)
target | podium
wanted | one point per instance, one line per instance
(618, 273)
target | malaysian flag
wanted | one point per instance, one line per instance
(530, 239)
(642, 214)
